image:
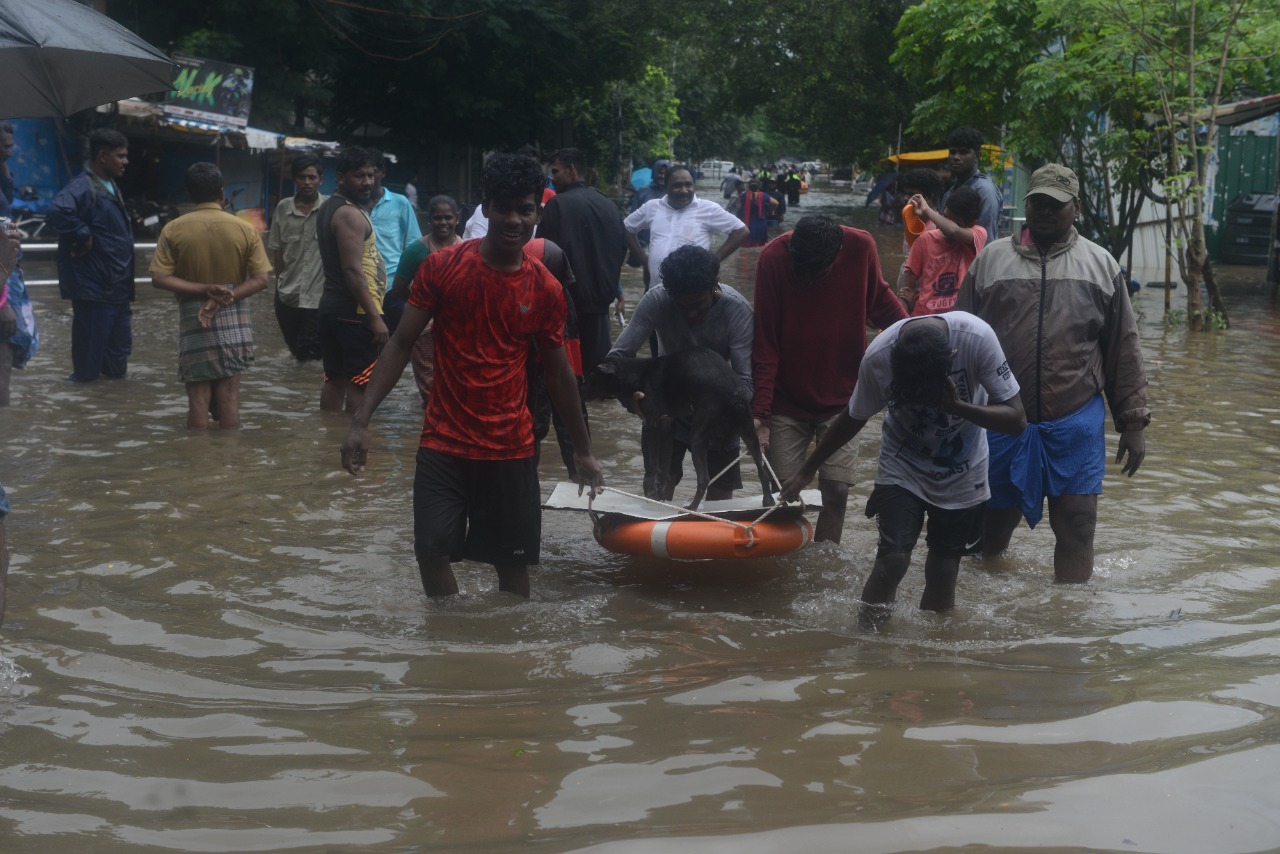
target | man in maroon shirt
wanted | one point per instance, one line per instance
(476, 492)
(816, 289)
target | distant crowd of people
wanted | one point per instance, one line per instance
(993, 362)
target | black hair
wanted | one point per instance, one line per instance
(442, 200)
(674, 168)
(919, 364)
(305, 161)
(965, 138)
(814, 244)
(5, 127)
(106, 139)
(966, 204)
(927, 182)
(571, 157)
(690, 270)
(354, 157)
(510, 177)
(204, 182)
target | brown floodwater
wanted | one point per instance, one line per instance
(218, 643)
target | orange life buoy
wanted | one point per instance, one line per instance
(700, 539)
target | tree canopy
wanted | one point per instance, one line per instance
(622, 80)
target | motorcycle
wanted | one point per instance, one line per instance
(149, 218)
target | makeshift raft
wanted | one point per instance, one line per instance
(736, 528)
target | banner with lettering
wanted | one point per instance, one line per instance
(209, 91)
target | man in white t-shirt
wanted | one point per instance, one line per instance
(944, 378)
(678, 219)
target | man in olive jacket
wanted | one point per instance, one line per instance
(1060, 308)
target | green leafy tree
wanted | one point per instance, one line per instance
(1102, 85)
(1193, 53)
(817, 70)
(624, 121)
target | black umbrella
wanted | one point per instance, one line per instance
(58, 57)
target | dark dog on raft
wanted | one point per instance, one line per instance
(695, 384)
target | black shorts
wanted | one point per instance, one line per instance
(489, 511)
(346, 347)
(900, 513)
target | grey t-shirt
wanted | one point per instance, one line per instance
(940, 458)
(727, 330)
(992, 203)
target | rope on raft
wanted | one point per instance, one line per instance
(684, 510)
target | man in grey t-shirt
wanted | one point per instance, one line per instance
(964, 153)
(692, 309)
(943, 378)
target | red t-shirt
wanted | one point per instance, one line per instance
(810, 336)
(483, 322)
(939, 267)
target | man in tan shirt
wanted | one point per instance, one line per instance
(296, 255)
(211, 261)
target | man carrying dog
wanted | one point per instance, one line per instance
(943, 378)
(691, 309)
(817, 288)
(1060, 305)
(476, 491)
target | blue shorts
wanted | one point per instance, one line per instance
(1066, 456)
(4, 504)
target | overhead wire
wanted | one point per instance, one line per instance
(432, 44)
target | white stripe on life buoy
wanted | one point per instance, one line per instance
(658, 539)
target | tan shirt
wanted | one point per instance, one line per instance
(211, 247)
(293, 235)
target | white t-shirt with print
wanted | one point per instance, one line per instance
(940, 458)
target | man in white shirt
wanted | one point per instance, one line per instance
(678, 219)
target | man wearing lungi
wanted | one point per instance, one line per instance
(212, 261)
(1060, 308)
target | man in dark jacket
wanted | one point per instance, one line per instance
(95, 260)
(588, 227)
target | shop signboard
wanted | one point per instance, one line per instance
(209, 91)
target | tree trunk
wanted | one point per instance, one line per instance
(1215, 295)
(1192, 276)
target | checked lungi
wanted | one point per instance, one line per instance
(223, 349)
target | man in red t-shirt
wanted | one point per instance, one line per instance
(476, 492)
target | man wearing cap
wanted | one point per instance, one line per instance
(1060, 308)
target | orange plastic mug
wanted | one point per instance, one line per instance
(913, 223)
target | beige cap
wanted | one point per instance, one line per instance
(1055, 181)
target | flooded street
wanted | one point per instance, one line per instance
(219, 643)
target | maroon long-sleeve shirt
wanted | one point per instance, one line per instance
(810, 336)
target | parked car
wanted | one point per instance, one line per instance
(715, 168)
